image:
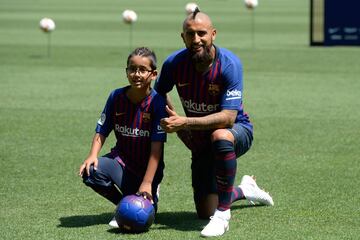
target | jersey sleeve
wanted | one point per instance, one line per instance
(158, 134)
(105, 122)
(232, 76)
(165, 81)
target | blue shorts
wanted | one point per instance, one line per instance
(203, 164)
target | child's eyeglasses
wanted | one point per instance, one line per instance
(141, 70)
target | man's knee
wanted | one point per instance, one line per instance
(222, 134)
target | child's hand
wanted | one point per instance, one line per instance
(145, 191)
(86, 165)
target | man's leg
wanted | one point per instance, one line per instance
(225, 165)
(225, 171)
(227, 145)
(206, 205)
(242, 142)
(204, 184)
(248, 188)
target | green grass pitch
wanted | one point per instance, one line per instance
(303, 101)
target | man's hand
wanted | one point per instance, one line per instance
(174, 122)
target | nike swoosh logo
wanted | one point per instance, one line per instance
(119, 114)
(183, 84)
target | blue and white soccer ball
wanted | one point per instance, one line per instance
(135, 214)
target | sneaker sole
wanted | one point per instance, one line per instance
(208, 235)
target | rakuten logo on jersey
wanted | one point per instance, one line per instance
(195, 107)
(233, 94)
(130, 132)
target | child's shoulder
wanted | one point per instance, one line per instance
(118, 91)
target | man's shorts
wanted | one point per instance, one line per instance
(203, 164)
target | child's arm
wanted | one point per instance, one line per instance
(155, 155)
(97, 143)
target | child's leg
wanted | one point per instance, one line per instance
(103, 180)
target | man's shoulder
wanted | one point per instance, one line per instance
(177, 55)
(226, 53)
(227, 56)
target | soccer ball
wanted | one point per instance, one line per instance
(251, 3)
(190, 8)
(47, 25)
(129, 16)
(135, 214)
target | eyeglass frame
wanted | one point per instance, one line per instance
(142, 72)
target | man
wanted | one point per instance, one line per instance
(216, 129)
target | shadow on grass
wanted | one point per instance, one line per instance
(187, 221)
(234, 207)
(181, 221)
(85, 221)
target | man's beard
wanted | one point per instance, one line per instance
(203, 57)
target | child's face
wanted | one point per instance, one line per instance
(139, 72)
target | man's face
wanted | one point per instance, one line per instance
(198, 36)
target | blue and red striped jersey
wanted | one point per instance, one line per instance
(135, 127)
(201, 94)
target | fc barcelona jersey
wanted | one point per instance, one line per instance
(135, 127)
(201, 94)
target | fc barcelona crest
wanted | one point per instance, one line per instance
(146, 117)
(214, 89)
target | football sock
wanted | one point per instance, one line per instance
(237, 194)
(225, 164)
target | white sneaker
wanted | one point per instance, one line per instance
(253, 193)
(113, 223)
(218, 225)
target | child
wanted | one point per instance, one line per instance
(135, 164)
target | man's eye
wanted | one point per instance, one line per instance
(201, 34)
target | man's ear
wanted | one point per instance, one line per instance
(213, 34)
(182, 36)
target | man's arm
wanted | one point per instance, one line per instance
(174, 122)
(222, 119)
